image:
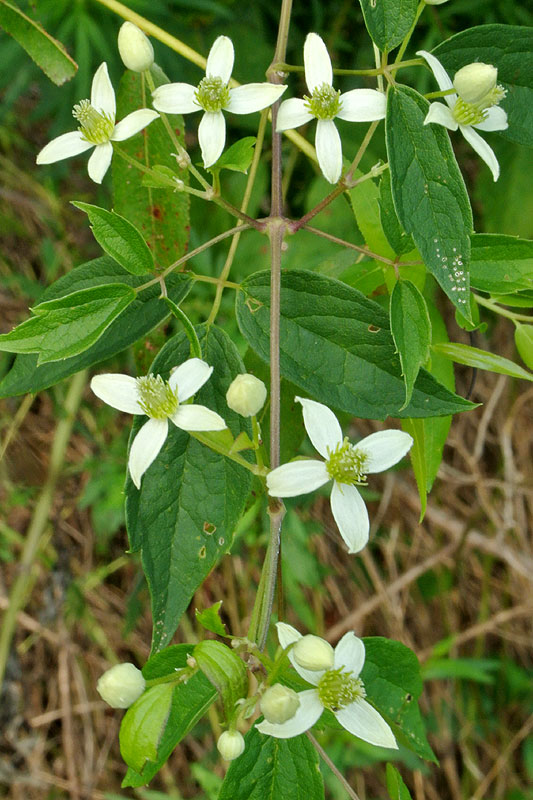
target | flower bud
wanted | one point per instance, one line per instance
(230, 745)
(279, 703)
(312, 652)
(246, 395)
(135, 48)
(121, 685)
(475, 81)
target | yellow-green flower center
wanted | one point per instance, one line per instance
(337, 689)
(95, 126)
(347, 464)
(212, 93)
(156, 397)
(473, 113)
(324, 103)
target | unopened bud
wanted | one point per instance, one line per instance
(279, 703)
(230, 745)
(312, 652)
(246, 395)
(475, 81)
(121, 685)
(135, 48)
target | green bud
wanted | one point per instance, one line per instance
(135, 48)
(312, 652)
(230, 745)
(279, 704)
(121, 685)
(246, 395)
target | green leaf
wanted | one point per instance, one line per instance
(364, 199)
(418, 455)
(209, 618)
(48, 53)
(225, 670)
(119, 238)
(501, 264)
(411, 331)
(274, 768)
(470, 669)
(400, 241)
(69, 325)
(238, 157)
(336, 345)
(161, 216)
(523, 339)
(510, 49)
(482, 359)
(388, 21)
(145, 313)
(161, 177)
(429, 192)
(395, 786)
(143, 724)
(191, 498)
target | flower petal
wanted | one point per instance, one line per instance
(102, 92)
(362, 105)
(133, 123)
(308, 713)
(146, 447)
(197, 418)
(175, 98)
(212, 136)
(496, 120)
(189, 377)
(441, 115)
(253, 97)
(64, 146)
(483, 150)
(292, 113)
(441, 76)
(328, 149)
(220, 59)
(322, 426)
(99, 161)
(297, 477)
(118, 391)
(351, 516)
(350, 653)
(362, 719)
(288, 635)
(384, 449)
(317, 62)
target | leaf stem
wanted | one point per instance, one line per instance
(503, 312)
(361, 249)
(403, 47)
(195, 348)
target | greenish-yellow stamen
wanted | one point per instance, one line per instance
(95, 126)
(337, 689)
(324, 103)
(473, 113)
(212, 94)
(156, 397)
(347, 464)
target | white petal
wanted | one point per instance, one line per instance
(64, 146)
(175, 98)
(441, 76)
(118, 391)
(297, 477)
(146, 447)
(212, 136)
(384, 449)
(102, 92)
(361, 719)
(253, 97)
(496, 120)
(322, 426)
(350, 653)
(362, 105)
(482, 149)
(220, 59)
(287, 634)
(189, 377)
(441, 115)
(99, 161)
(133, 123)
(351, 516)
(197, 418)
(328, 149)
(309, 712)
(317, 62)
(292, 113)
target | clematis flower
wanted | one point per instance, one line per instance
(161, 401)
(346, 464)
(484, 115)
(338, 689)
(214, 96)
(324, 104)
(97, 128)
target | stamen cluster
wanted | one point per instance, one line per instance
(347, 464)
(337, 689)
(212, 93)
(324, 103)
(95, 127)
(156, 397)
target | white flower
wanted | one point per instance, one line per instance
(213, 95)
(466, 116)
(338, 689)
(97, 128)
(347, 464)
(160, 400)
(325, 103)
(121, 685)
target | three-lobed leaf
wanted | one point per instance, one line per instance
(411, 331)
